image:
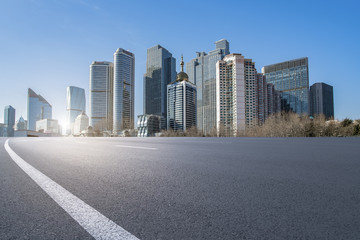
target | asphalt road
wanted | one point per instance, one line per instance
(187, 188)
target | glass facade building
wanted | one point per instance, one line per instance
(148, 125)
(124, 84)
(202, 73)
(322, 100)
(9, 120)
(160, 71)
(291, 79)
(75, 105)
(101, 95)
(37, 109)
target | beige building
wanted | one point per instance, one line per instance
(81, 123)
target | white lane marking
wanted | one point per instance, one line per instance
(82, 142)
(99, 226)
(125, 146)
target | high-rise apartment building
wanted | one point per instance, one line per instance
(181, 94)
(291, 79)
(160, 71)
(37, 109)
(262, 98)
(75, 105)
(101, 95)
(9, 120)
(124, 84)
(202, 72)
(237, 95)
(322, 100)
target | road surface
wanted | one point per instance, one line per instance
(180, 188)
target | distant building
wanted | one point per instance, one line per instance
(9, 120)
(38, 108)
(124, 84)
(181, 112)
(20, 124)
(81, 123)
(75, 105)
(3, 130)
(160, 71)
(291, 79)
(322, 100)
(148, 125)
(101, 95)
(47, 126)
(202, 72)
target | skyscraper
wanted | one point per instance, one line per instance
(75, 105)
(9, 120)
(202, 73)
(101, 95)
(181, 94)
(160, 71)
(237, 95)
(124, 83)
(38, 108)
(291, 79)
(322, 100)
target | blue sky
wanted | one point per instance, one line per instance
(49, 44)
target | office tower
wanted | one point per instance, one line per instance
(3, 130)
(202, 72)
(262, 98)
(9, 120)
(37, 109)
(20, 124)
(160, 71)
(291, 79)
(181, 94)
(273, 100)
(75, 105)
(148, 125)
(124, 83)
(236, 95)
(322, 100)
(81, 123)
(101, 95)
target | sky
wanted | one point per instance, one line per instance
(48, 45)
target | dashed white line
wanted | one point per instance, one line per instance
(96, 224)
(126, 146)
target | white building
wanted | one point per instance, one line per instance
(181, 102)
(81, 123)
(48, 126)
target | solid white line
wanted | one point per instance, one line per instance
(125, 146)
(99, 226)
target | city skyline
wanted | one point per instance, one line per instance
(70, 67)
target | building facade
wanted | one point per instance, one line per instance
(81, 123)
(75, 105)
(291, 79)
(124, 84)
(322, 100)
(237, 95)
(101, 95)
(48, 126)
(9, 120)
(160, 71)
(202, 72)
(148, 125)
(37, 109)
